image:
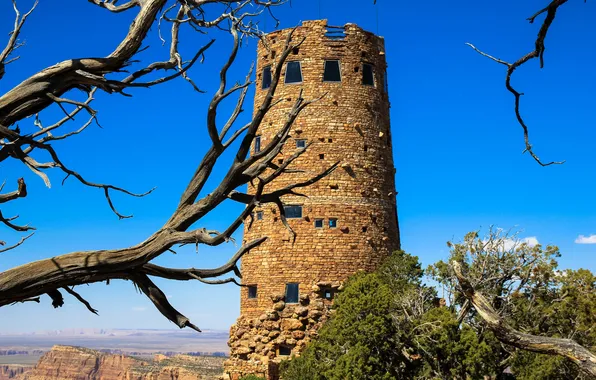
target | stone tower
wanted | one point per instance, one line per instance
(348, 222)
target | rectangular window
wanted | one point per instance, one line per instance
(368, 74)
(293, 212)
(332, 71)
(292, 292)
(293, 72)
(318, 223)
(300, 143)
(259, 215)
(284, 350)
(257, 144)
(252, 291)
(266, 80)
(333, 223)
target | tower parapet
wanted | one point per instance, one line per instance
(348, 221)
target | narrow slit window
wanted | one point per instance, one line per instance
(266, 80)
(332, 71)
(293, 72)
(252, 292)
(318, 223)
(368, 74)
(300, 143)
(293, 211)
(259, 215)
(333, 223)
(292, 292)
(257, 144)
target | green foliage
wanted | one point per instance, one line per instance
(357, 344)
(386, 326)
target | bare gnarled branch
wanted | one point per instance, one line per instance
(538, 52)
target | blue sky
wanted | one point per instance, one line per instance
(457, 146)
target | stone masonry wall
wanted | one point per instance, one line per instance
(349, 124)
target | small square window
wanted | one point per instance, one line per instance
(332, 72)
(293, 72)
(284, 350)
(368, 74)
(321, 156)
(318, 223)
(328, 294)
(266, 80)
(259, 215)
(333, 223)
(300, 143)
(257, 144)
(292, 292)
(293, 211)
(252, 291)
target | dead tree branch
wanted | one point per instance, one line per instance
(538, 52)
(13, 42)
(134, 263)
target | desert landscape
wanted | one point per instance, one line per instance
(113, 354)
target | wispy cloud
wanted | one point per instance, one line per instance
(581, 239)
(139, 308)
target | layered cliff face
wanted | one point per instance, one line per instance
(12, 371)
(75, 363)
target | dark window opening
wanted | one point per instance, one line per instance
(356, 69)
(284, 350)
(259, 215)
(293, 72)
(330, 140)
(333, 223)
(318, 223)
(293, 212)
(300, 143)
(364, 229)
(273, 54)
(321, 156)
(366, 148)
(292, 292)
(257, 144)
(332, 72)
(295, 50)
(252, 291)
(327, 293)
(280, 161)
(368, 74)
(266, 81)
(334, 187)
